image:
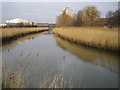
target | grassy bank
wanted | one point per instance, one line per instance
(12, 32)
(12, 43)
(98, 37)
(100, 58)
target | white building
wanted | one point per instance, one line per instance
(18, 22)
(69, 11)
(3, 25)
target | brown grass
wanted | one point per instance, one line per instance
(98, 57)
(100, 37)
(9, 32)
(21, 39)
(16, 80)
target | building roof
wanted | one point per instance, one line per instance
(2, 25)
(17, 20)
(69, 11)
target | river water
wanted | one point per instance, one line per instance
(41, 58)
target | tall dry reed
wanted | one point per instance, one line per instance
(8, 32)
(100, 37)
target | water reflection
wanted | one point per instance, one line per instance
(20, 40)
(42, 58)
(97, 57)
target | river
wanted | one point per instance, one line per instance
(40, 58)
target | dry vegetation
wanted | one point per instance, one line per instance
(9, 32)
(15, 79)
(106, 59)
(100, 37)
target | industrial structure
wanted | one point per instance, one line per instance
(18, 22)
(69, 11)
(3, 25)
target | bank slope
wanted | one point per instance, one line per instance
(97, 37)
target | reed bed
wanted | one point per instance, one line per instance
(98, 37)
(16, 79)
(9, 32)
(106, 59)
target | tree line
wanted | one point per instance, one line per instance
(89, 16)
(113, 18)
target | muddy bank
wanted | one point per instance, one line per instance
(10, 38)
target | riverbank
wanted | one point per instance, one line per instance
(97, 37)
(106, 59)
(7, 34)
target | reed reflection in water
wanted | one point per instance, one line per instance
(19, 40)
(107, 60)
(38, 60)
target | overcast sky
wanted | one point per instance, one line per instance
(46, 12)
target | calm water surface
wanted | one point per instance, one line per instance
(40, 57)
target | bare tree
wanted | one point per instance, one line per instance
(113, 18)
(78, 19)
(90, 15)
(109, 15)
